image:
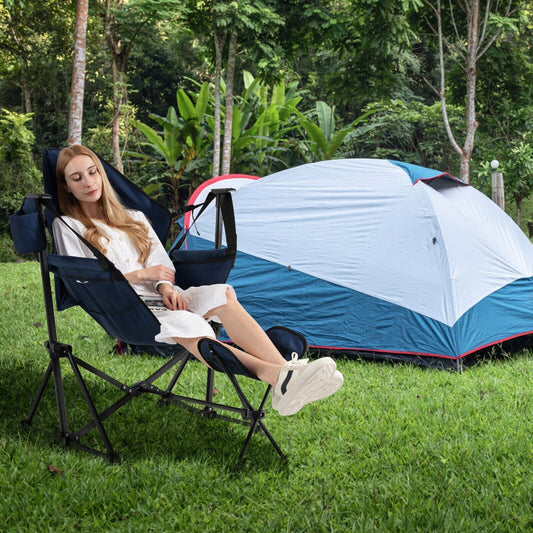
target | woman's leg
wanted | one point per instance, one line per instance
(264, 370)
(244, 331)
(295, 383)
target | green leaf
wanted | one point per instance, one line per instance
(202, 101)
(316, 135)
(236, 124)
(152, 188)
(172, 117)
(326, 119)
(152, 136)
(185, 105)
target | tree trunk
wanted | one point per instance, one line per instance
(479, 39)
(518, 211)
(119, 87)
(472, 11)
(228, 122)
(119, 55)
(23, 67)
(464, 152)
(78, 74)
(219, 45)
(27, 94)
(442, 92)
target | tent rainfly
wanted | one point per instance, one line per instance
(377, 257)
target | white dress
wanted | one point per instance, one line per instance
(121, 251)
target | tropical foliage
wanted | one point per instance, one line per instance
(310, 80)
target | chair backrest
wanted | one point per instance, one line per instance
(112, 303)
(108, 298)
(130, 195)
(95, 285)
(102, 292)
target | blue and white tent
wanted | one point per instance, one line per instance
(378, 257)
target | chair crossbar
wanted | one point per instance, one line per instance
(245, 415)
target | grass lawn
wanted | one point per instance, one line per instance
(399, 448)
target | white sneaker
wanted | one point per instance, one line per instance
(328, 388)
(284, 373)
(301, 382)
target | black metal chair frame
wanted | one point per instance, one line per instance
(246, 414)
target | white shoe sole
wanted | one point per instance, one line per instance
(328, 389)
(323, 383)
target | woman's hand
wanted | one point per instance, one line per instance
(173, 300)
(153, 273)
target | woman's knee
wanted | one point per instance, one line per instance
(230, 304)
(191, 345)
(231, 297)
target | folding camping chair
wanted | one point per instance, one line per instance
(103, 292)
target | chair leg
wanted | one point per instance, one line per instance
(56, 351)
(258, 421)
(111, 455)
(29, 419)
(208, 410)
(60, 398)
(177, 374)
(221, 356)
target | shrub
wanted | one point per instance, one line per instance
(18, 173)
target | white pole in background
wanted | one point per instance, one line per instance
(498, 194)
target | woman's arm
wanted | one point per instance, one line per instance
(159, 269)
(157, 273)
(172, 299)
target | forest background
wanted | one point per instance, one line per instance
(294, 81)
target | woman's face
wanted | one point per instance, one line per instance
(83, 180)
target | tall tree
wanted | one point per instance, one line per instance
(119, 51)
(466, 42)
(352, 52)
(77, 91)
(228, 117)
(13, 41)
(125, 21)
(35, 70)
(249, 23)
(217, 131)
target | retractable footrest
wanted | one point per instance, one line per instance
(287, 341)
(221, 358)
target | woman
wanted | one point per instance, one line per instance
(126, 237)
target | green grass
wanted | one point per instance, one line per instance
(399, 448)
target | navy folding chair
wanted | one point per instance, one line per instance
(103, 292)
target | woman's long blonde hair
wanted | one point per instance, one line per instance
(115, 214)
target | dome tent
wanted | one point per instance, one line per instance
(378, 257)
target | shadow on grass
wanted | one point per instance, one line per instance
(139, 431)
